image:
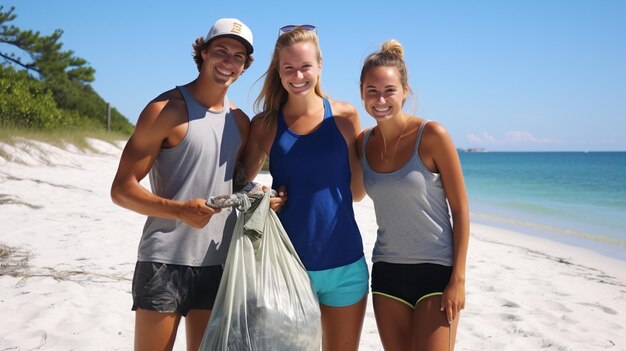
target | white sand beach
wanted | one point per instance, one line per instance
(67, 256)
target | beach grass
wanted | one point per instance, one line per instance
(13, 261)
(60, 138)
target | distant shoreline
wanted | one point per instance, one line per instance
(484, 150)
(472, 149)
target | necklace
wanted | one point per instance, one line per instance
(384, 151)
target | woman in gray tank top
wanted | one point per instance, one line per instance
(412, 172)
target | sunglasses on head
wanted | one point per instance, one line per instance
(288, 28)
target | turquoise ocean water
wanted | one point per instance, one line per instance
(575, 197)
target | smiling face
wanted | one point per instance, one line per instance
(382, 92)
(224, 60)
(299, 68)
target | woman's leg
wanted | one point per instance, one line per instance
(155, 330)
(431, 330)
(341, 326)
(394, 319)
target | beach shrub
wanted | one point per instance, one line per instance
(46, 87)
(90, 108)
(25, 102)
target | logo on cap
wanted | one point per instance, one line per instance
(236, 28)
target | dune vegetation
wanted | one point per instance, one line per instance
(46, 92)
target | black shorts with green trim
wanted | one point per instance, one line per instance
(409, 283)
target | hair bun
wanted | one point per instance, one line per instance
(393, 47)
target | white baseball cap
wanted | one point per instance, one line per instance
(233, 28)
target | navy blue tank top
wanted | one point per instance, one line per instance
(318, 214)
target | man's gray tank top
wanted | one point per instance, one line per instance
(200, 166)
(411, 212)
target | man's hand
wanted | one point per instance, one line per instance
(196, 213)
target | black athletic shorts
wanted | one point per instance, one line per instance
(174, 288)
(409, 283)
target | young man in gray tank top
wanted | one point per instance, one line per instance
(188, 140)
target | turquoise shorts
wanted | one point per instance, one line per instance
(341, 286)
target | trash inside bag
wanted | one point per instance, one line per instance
(265, 300)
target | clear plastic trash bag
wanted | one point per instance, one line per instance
(265, 300)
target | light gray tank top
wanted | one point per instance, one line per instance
(200, 166)
(411, 212)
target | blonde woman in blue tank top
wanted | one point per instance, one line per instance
(310, 142)
(412, 172)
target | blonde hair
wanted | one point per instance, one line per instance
(391, 54)
(273, 95)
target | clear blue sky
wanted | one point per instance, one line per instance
(503, 75)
